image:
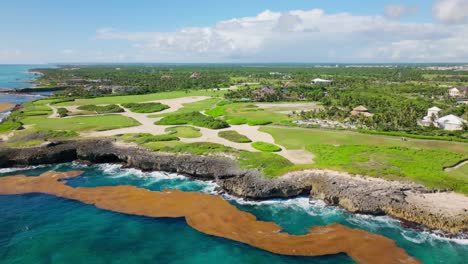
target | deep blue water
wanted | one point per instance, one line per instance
(37, 228)
(15, 76)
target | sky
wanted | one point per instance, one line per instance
(241, 31)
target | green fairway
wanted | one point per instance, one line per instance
(381, 156)
(297, 138)
(141, 98)
(184, 131)
(85, 123)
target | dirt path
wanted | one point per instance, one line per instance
(459, 165)
(54, 111)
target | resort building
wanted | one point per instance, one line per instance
(451, 122)
(361, 110)
(432, 115)
(460, 91)
(321, 81)
(448, 122)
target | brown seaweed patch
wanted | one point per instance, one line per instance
(212, 215)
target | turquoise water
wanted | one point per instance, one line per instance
(37, 228)
(14, 76)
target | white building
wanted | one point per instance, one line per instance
(432, 115)
(322, 81)
(451, 122)
(460, 91)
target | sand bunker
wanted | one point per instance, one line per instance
(214, 216)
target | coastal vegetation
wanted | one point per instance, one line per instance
(234, 136)
(144, 138)
(145, 107)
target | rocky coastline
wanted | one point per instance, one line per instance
(410, 202)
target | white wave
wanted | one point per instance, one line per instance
(8, 170)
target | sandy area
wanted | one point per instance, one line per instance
(5, 107)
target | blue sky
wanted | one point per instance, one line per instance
(233, 31)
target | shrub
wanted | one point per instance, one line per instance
(193, 118)
(62, 112)
(146, 107)
(265, 147)
(234, 136)
(102, 109)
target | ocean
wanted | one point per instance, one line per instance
(39, 228)
(16, 76)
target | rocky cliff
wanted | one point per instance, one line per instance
(356, 194)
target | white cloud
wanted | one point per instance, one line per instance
(300, 35)
(398, 11)
(451, 11)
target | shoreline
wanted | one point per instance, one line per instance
(413, 203)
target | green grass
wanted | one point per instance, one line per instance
(192, 118)
(145, 107)
(9, 126)
(184, 131)
(269, 163)
(234, 136)
(217, 111)
(421, 165)
(265, 147)
(101, 109)
(83, 123)
(461, 173)
(142, 98)
(297, 138)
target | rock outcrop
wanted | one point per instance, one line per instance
(407, 201)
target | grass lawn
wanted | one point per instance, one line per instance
(297, 138)
(184, 131)
(421, 161)
(84, 123)
(249, 113)
(461, 173)
(234, 136)
(141, 98)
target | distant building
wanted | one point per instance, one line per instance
(166, 77)
(321, 81)
(361, 110)
(448, 122)
(195, 75)
(460, 91)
